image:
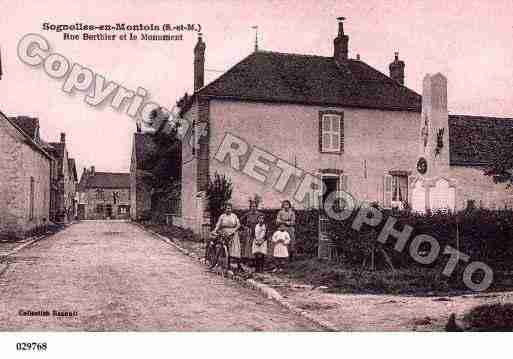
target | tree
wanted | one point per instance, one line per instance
(501, 166)
(219, 192)
(163, 165)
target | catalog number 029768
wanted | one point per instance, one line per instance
(31, 346)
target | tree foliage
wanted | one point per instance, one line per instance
(501, 166)
(219, 192)
(163, 164)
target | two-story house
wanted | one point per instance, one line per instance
(64, 182)
(104, 195)
(294, 126)
(143, 147)
(25, 183)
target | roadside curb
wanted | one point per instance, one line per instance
(263, 288)
(29, 242)
(21, 246)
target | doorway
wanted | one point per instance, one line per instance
(81, 211)
(332, 184)
(108, 211)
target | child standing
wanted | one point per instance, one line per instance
(259, 248)
(281, 239)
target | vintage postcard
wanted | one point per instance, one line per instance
(271, 166)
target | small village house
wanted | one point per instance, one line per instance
(339, 121)
(143, 146)
(25, 185)
(104, 195)
(64, 182)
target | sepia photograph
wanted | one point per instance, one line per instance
(217, 168)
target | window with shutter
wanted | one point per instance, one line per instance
(331, 132)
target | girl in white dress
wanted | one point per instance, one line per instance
(259, 247)
(281, 239)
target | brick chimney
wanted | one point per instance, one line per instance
(341, 42)
(63, 137)
(199, 63)
(397, 69)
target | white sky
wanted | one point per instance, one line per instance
(468, 41)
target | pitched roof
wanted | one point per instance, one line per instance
(29, 125)
(29, 140)
(309, 79)
(108, 180)
(144, 148)
(473, 139)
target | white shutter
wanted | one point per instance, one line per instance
(411, 181)
(387, 191)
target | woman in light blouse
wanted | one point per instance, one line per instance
(228, 224)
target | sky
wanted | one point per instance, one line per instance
(470, 42)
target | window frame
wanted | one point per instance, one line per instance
(390, 180)
(32, 198)
(340, 132)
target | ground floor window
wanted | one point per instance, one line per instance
(395, 189)
(32, 194)
(99, 208)
(123, 209)
(399, 188)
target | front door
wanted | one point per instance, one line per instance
(108, 211)
(331, 184)
(81, 211)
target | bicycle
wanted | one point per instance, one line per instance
(217, 251)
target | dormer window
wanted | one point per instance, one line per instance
(331, 132)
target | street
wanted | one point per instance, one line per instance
(113, 276)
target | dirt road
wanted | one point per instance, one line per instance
(113, 276)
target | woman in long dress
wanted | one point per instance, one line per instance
(228, 224)
(249, 220)
(287, 217)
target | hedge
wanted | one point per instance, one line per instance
(484, 235)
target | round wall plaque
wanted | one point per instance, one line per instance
(422, 165)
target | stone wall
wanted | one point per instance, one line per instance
(189, 190)
(375, 142)
(472, 184)
(19, 163)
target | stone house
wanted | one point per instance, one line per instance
(25, 185)
(298, 127)
(143, 146)
(64, 182)
(104, 195)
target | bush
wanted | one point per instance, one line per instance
(484, 235)
(219, 192)
(490, 318)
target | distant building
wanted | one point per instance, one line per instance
(64, 182)
(25, 168)
(104, 195)
(143, 147)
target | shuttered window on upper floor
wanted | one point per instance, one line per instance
(331, 132)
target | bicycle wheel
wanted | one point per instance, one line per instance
(210, 255)
(223, 257)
